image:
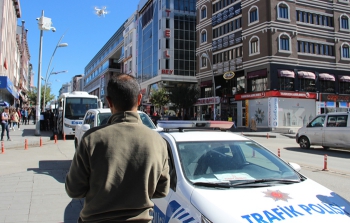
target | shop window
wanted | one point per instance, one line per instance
(286, 80)
(257, 80)
(307, 81)
(240, 85)
(327, 83)
(344, 85)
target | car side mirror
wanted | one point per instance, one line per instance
(85, 127)
(295, 166)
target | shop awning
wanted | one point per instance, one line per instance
(257, 74)
(306, 75)
(286, 73)
(326, 77)
(344, 78)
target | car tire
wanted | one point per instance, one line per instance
(326, 147)
(304, 142)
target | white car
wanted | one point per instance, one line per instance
(97, 117)
(219, 176)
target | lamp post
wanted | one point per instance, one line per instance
(214, 93)
(46, 80)
(44, 24)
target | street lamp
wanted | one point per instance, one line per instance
(214, 94)
(46, 80)
(44, 24)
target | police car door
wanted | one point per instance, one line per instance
(161, 204)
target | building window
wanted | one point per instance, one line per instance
(284, 42)
(203, 12)
(344, 22)
(283, 10)
(167, 23)
(253, 15)
(345, 51)
(254, 46)
(344, 84)
(286, 80)
(257, 80)
(315, 48)
(326, 82)
(167, 64)
(167, 43)
(307, 81)
(204, 36)
(203, 62)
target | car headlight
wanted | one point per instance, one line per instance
(205, 220)
(69, 126)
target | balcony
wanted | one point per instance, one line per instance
(226, 63)
(220, 65)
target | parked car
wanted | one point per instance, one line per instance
(97, 117)
(220, 177)
(330, 130)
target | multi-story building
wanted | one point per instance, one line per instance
(166, 42)
(10, 52)
(23, 78)
(129, 56)
(103, 65)
(66, 88)
(295, 59)
(77, 82)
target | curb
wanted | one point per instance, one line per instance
(31, 142)
(256, 135)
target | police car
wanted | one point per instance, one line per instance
(219, 176)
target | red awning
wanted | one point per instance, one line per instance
(326, 77)
(344, 78)
(306, 75)
(286, 73)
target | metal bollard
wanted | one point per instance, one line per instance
(55, 138)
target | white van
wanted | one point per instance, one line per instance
(330, 130)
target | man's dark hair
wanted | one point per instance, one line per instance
(123, 90)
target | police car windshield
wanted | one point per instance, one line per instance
(227, 161)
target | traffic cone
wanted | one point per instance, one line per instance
(55, 138)
(267, 135)
(325, 164)
(64, 137)
(2, 148)
(26, 144)
(279, 153)
(41, 142)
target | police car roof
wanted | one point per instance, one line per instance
(200, 136)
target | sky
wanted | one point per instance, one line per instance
(83, 31)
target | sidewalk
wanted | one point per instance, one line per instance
(26, 132)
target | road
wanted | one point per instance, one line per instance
(337, 178)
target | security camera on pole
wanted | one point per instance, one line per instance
(44, 24)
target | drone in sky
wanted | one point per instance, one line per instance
(101, 11)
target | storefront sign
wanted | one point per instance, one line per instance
(257, 73)
(335, 97)
(273, 112)
(229, 75)
(165, 71)
(287, 94)
(208, 101)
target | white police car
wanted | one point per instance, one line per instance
(219, 177)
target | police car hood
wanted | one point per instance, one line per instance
(300, 202)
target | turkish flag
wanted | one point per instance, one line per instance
(5, 64)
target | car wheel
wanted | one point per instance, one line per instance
(326, 147)
(304, 142)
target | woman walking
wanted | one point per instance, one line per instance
(14, 119)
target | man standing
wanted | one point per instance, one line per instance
(119, 167)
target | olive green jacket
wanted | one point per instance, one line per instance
(118, 168)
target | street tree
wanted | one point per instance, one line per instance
(159, 98)
(33, 93)
(184, 96)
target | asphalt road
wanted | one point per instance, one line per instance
(337, 176)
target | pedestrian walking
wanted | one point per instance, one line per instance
(14, 119)
(119, 167)
(5, 116)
